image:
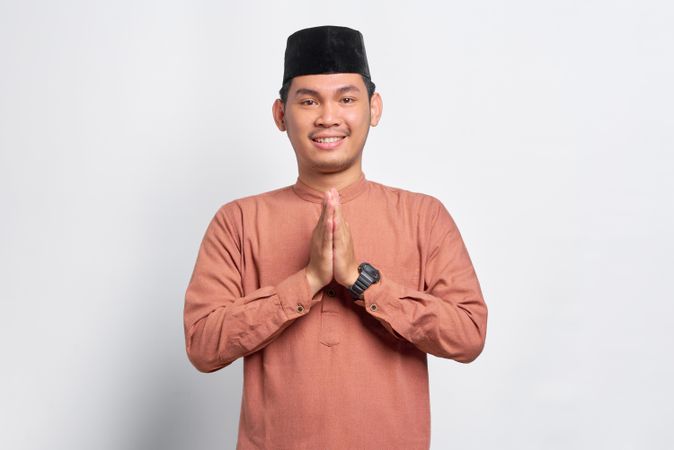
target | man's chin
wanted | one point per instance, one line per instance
(332, 166)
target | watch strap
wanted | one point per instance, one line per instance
(364, 281)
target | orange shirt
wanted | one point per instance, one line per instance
(327, 372)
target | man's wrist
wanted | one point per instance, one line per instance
(354, 277)
(367, 275)
(314, 284)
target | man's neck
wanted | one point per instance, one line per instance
(325, 181)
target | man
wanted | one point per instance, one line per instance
(335, 288)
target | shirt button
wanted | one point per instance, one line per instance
(300, 308)
(330, 291)
(373, 307)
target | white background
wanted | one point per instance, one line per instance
(546, 129)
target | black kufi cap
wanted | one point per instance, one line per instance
(325, 49)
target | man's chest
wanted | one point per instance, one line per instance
(277, 242)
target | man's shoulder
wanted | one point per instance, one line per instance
(429, 210)
(270, 195)
(236, 206)
(406, 196)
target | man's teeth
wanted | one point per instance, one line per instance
(328, 139)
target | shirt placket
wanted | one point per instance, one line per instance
(330, 315)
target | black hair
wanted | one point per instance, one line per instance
(283, 92)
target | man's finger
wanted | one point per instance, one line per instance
(326, 207)
(327, 226)
(324, 204)
(339, 220)
(325, 211)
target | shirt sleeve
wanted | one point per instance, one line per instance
(222, 324)
(449, 319)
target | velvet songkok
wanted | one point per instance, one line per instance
(325, 49)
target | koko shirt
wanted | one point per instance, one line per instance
(325, 372)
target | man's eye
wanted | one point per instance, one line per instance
(348, 99)
(307, 102)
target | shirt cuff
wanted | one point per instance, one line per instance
(294, 294)
(382, 301)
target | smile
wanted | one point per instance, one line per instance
(327, 143)
(329, 139)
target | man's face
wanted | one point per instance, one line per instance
(327, 118)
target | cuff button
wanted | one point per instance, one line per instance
(373, 307)
(300, 308)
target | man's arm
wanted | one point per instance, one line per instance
(221, 324)
(449, 320)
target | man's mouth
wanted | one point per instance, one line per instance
(327, 140)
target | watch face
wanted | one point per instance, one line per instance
(370, 270)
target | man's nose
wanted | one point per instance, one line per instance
(328, 115)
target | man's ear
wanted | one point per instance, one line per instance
(278, 111)
(376, 106)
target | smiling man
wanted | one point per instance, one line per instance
(333, 289)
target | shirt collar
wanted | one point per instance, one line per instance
(347, 193)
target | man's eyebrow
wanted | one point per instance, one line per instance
(341, 90)
(347, 88)
(305, 91)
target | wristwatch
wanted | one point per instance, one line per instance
(368, 275)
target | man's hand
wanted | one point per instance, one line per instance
(332, 251)
(344, 264)
(319, 269)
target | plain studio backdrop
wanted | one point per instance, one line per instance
(545, 128)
